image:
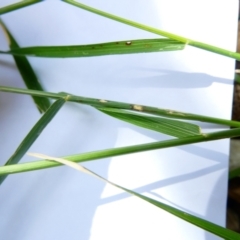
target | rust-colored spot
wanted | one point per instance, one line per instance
(128, 43)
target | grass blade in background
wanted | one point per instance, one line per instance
(27, 73)
(191, 42)
(234, 173)
(199, 222)
(33, 134)
(101, 103)
(18, 5)
(167, 126)
(83, 157)
(111, 48)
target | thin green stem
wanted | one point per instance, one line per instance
(101, 103)
(36, 165)
(18, 5)
(157, 31)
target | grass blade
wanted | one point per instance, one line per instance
(101, 103)
(111, 48)
(199, 222)
(18, 5)
(83, 157)
(27, 73)
(170, 127)
(33, 134)
(157, 31)
(234, 173)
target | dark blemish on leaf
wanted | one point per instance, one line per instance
(128, 43)
(117, 42)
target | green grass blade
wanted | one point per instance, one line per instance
(167, 126)
(27, 73)
(24, 167)
(157, 31)
(18, 5)
(199, 222)
(234, 173)
(100, 49)
(33, 134)
(101, 103)
(237, 78)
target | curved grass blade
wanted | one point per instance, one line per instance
(27, 73)
(83, 157)
(33, 134)
(101, 103)
(18, 5)
(199, 222)
(111, 48)
(188, 41)
(164, 125)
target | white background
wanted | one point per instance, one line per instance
(64, 204)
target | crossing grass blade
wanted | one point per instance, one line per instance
(101, 103)
(170, 127)
(100, 49)
(33, 134)
(199, 222)
(113, 152)
(185, 40)
(27, 73)
(18, 5)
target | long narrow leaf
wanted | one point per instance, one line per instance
(27, 73)
(199, 222)
(33, 134)
(24, 167)
(157, 31)
(167, 126)
(101, 103)
(18, 5)
(111, 48)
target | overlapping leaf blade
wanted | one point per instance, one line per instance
(27, 73)
(167, 126)
(33, 134)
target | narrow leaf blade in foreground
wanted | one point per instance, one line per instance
(167, 126)
(111, 48)
(113, 152)
(27, 73)
(17, 5)
(188, 41)
(33, 134)
(101, 103)
(204, 224)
